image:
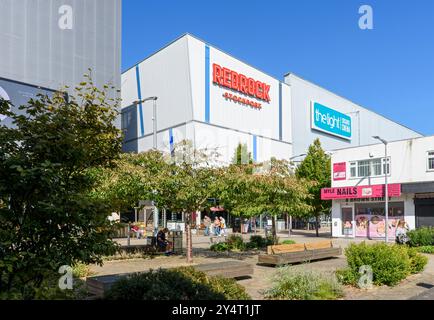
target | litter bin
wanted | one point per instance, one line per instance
(176, 238)
(236, 225)
(280, 225)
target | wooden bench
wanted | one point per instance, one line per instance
(98, 285)
(227, 269)
(300, 252)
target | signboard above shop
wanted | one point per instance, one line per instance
(358, 192)
(330, 121)
(339, 171)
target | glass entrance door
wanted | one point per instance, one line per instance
(347, 221)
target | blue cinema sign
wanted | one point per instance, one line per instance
(330, 121)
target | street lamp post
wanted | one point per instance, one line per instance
(289, 218)
(154, 118)
(386, 191)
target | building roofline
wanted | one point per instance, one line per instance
(209, 44)
(357, 104)
(379, 143)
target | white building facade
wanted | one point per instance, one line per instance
(217, 101)
(358, 180)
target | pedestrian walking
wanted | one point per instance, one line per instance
(216, 226)
(207, 223)
(222, 226)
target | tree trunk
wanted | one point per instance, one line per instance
(317, 225)
(273, 229)
(189, 241)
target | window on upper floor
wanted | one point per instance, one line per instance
(431, 160)
(369, 168)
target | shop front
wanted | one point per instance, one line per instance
(360, 211)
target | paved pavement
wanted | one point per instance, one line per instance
(261, 280)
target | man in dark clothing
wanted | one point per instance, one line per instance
(162, 242)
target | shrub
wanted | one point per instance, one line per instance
(81, 270)
(184, 283)
(220, 247)
(304, 285)
(257, 242)
(390, 263)
(289, 241)
(235, 242)
(425, 249)
(421, 237)
(417, 261)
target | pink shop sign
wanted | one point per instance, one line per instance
(359, 192)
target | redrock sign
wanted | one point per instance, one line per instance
(239, 82)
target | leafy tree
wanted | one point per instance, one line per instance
(134, 177)
(48, 218)
(242, 155)
(316, 167)
(270, 189)
(187, 184)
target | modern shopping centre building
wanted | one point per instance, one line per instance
(217, 101)
(207, 96)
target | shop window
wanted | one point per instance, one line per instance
(370, 168)
(376, 167)
(386, 166)
(363, 168)
(431, 160)
(353, 168)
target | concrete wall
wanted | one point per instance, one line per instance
(39, 48)
(408, 161)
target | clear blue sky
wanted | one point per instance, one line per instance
(389, 69)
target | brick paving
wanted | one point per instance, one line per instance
(261, 280)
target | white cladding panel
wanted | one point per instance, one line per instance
(166, 76)
(371, 124)
(225, 112)
(225, 142)
(408, 161)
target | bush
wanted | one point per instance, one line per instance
(220, 247)
(417, 261)
(257, 242)
(184, 283)
(425, 249)
(235, 242)
(81, 270)
(421, 237)
(304, 285)
(390, 263)
(289, 241)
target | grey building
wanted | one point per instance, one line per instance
(53, 43)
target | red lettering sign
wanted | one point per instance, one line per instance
(239, 82)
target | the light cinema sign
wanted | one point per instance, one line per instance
(236, 81)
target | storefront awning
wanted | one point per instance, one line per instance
(217, 209)
(358, 192)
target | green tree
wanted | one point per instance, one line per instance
(134, 177)
(242, 155)
(187, 184)
(48, 218)
(316, 167)
(269, 188)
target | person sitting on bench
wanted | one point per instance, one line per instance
(162, 243)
